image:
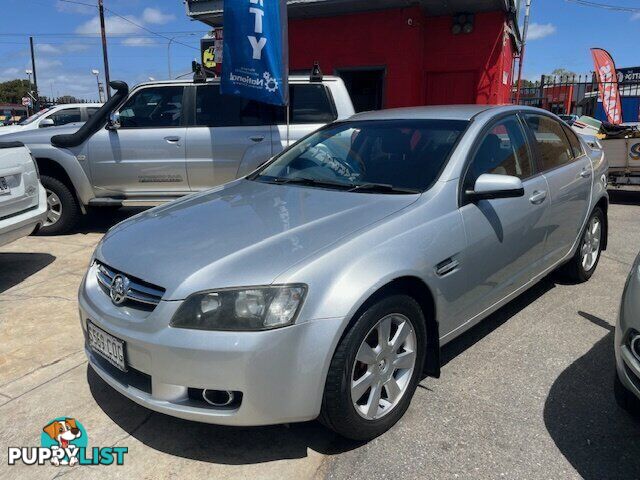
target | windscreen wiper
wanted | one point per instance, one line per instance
(382, 188)
(309, 182)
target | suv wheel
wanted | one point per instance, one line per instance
(625, 399)
(585, 261)
(375, 369)
(63, 210)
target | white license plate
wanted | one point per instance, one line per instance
(4, 187)
(107, 346)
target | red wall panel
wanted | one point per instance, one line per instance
(425, 63)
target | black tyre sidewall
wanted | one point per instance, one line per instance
(574, 269)
(338, 412)
(70, 209)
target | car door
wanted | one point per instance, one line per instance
(230, 137)
(146, 154)
(311, 107)
(505, 236)
(569, 174)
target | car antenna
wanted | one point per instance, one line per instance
(316, 72)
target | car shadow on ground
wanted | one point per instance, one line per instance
(214, 443)
(465, 341)
(17, 267)
(598, 438)
(624, 197)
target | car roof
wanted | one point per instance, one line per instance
(442, 112)
(292, 79)
(73, 105)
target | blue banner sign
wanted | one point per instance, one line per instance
(256, 50)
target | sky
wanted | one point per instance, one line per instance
(68, 47)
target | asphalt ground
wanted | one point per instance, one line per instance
(526, 394)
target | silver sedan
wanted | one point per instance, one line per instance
(324, 284)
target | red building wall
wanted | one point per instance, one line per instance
(425, 63)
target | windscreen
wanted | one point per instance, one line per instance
(402, 155)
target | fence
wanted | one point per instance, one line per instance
(577, 94)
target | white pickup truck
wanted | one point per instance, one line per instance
(23, 200)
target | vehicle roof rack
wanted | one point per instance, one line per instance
(316, 72)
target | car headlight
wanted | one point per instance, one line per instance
(241, 309)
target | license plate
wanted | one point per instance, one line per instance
(4, 187)
(107, 346)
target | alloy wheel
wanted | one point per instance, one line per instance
(384, 366)
(590, 248)
(54, 208)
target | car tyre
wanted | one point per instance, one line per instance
(625, 399)
(63, 211)
(583, 264)
(347, 374)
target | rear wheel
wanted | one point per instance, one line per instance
(63, 211)
(586, 258)
(375, 369)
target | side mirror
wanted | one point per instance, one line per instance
(114, 121)
(46, 122)
(489, 186)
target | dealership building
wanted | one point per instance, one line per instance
(397, 53)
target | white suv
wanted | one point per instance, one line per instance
(55, 117)
(23, 201)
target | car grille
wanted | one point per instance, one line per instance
(140, 294)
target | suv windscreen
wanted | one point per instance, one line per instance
(405, 156)
(34, 117)
(153, 107)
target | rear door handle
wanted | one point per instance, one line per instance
(538, 197)
(172, 139)
(256, 139)
(585, 173)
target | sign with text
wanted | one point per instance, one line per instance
(608, 88)
(256, 50)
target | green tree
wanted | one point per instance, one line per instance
(12, 91)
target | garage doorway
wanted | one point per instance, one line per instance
(365, 85)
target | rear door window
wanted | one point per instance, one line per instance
(216, 110)
(576, 146)
(552, 144)
(310, 104)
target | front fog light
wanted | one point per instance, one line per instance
(241, 309)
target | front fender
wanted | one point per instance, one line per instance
(68, 161)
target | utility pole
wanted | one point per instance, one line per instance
(525, 28)
(104, 48)
(35, 78)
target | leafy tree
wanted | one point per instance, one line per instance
(12, 91)
(563, 72)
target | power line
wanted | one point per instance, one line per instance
(606, 6)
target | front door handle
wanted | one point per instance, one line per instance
(538, 197)
(172, 139)
(257, 138)
(585, 173)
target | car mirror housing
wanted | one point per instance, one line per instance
(46, 122)
(114, 121)
(490, 186)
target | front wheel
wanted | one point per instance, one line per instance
(375, 369)
(63, 211)
(625, 399)
(584, 262)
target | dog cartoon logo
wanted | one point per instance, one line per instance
(68, 435)
(634, 151)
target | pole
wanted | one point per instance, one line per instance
(288, 121)
(35, 78)
(525, 28)
(169, 56)
(104, 48)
